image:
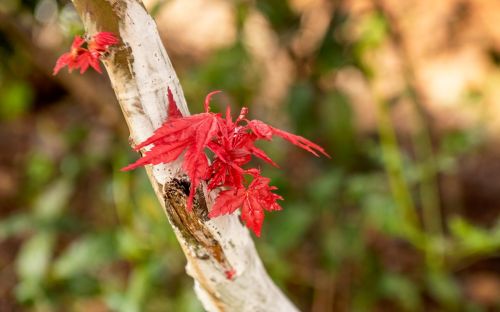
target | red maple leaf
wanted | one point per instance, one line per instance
(191, 134)
(72, 59)
(252, 201)
(266, 132)
(101, 41)
(233, 150)
(233, 145)
(80, 57)
(173, 110)
(86, 59)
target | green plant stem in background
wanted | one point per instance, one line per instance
(394, 167)
(428, 181)
(428, 187)
(429, 195)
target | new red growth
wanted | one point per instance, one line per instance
(232, 144)
(81, 57)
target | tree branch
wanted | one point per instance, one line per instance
(140, 72)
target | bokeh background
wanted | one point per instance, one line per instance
(405, 95)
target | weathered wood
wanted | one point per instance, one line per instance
(140, 72)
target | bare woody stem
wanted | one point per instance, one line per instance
(140, 73)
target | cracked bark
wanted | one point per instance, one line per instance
(140, 73)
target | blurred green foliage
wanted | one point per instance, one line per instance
(88, 237)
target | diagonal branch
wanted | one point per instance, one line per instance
(228, 273)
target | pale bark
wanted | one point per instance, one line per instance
(140, 72)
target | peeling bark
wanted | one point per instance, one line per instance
(140, 72)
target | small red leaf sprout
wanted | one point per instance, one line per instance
(230, 274)
(81, 57)
(232, 144)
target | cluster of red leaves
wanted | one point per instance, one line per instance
(233, 145)
(81, 57)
